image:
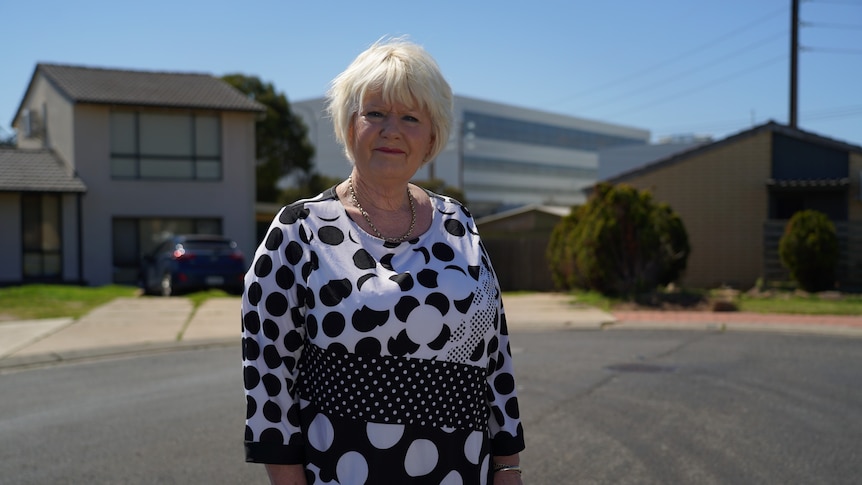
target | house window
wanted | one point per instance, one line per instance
(165, 146)
(41, 230)
(134, 237)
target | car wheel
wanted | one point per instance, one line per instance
(167, 285)
(145, 285)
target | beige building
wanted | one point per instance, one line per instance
(736, 195)
(109, 162)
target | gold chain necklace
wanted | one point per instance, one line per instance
(371, 224)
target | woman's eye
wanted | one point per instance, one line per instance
(374, 114)
(410, 118)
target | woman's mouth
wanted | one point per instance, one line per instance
(389, 150)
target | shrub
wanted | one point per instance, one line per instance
(809, 250)
(560, 261)
(620, 243)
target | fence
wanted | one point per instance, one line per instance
(849, 270)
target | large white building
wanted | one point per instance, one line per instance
(500, 156)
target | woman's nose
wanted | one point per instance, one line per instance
(390, 126)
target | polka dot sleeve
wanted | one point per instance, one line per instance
(272, 339)
(504, 422)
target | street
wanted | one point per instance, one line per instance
(598, 407)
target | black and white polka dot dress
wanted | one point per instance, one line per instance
(374, 362)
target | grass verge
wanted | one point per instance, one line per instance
(52, 301)
(786, 302)
(802, 304)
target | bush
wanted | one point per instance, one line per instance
(809, 250)
(560, 260)
(621, 243)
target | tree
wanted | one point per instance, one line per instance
(809, 250)
(620, 243)
(281, 137)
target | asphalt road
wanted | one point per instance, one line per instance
(598, 407)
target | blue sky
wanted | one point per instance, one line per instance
(668, 66)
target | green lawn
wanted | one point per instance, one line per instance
(51, 301)
(30, 302)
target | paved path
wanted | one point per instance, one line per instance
(147, 324)
(125, 325)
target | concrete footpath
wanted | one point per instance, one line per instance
(152, 324)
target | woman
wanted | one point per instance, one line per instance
(375, 347)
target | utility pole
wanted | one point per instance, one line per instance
(794, 61)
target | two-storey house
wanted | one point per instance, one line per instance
(110, 162)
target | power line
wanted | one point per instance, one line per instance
(724, 125)
(672, 60)
(831, 25)
(846, 114)
(683, 74)
(831, 50)
(680, 94)
(836, 2)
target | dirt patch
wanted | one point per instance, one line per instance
(679, 301)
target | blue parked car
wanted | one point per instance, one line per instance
(193, 262)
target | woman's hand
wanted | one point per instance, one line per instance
(507, 478)
(287, 474)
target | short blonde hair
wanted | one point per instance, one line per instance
(402, 72)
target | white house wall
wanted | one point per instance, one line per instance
(230, 199)
(61, 128)
(55, 115)
(236, 191)
(36, 98)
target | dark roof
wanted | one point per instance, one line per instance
(770, 126)
(35, 171)
(144, 88)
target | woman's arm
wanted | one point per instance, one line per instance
(507, 477)
(273, 334)
(286, 474)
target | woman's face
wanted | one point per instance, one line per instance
(390, 141)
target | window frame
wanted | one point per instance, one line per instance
(195, 158)
(34, 203)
